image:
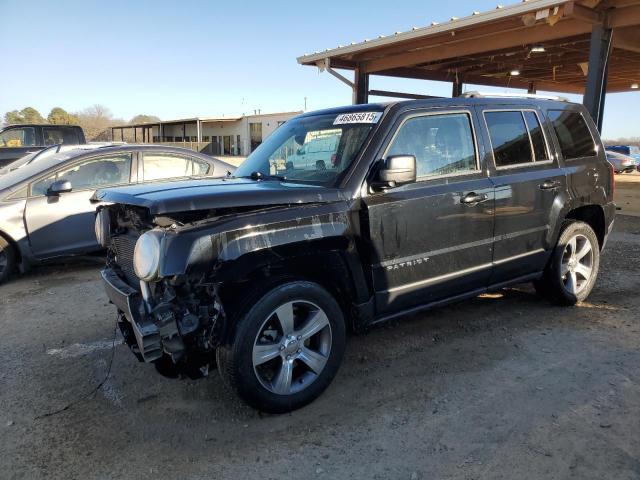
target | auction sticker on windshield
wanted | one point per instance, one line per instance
(357, 117)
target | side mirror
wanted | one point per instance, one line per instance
(58, 187)
(397, 170)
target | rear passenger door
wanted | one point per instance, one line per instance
(527, 179)
(432, 239)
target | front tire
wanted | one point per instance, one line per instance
(572, 271)
(286, 348)
(7, 259)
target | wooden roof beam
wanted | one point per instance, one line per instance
(627, 39)
(511, 82)
(493, 41)
(583, 13)
(624, 17)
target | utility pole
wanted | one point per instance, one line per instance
(305, 104)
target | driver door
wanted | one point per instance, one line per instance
(432, 239)
(64, 224)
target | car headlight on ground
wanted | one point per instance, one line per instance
(146, 256)
(103, 228)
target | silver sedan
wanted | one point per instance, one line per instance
(45, 210)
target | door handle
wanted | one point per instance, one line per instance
(474, 198)
(549, 185)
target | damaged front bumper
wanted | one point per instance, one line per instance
(164, 328)
(148, 344)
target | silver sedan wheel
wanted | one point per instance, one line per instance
(577, 264)
(292, 347)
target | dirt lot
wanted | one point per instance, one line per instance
(503, 386)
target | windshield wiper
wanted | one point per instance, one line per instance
(261, 176)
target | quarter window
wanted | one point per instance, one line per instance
(91, 174)
(442, 144)
(573, 134)
(509, 138)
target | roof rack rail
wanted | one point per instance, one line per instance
(476, 94)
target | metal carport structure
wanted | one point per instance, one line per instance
(587, 47)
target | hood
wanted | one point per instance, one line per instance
(206, 194)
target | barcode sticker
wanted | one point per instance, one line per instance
(358, 117)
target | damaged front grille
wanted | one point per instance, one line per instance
(123, 247)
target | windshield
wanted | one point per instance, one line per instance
(315, 149)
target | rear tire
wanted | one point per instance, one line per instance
(286, 347)
(7, 259)
(573, 268)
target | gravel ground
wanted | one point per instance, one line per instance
(502, 386)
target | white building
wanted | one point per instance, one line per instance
(212, 135)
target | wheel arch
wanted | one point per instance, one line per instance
(592, 215)
(331, 263)
(14, 245)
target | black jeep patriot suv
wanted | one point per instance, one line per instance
(347, 217)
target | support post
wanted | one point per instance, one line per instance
(457, 88)
(532, 88)
(360, 87)
(135, 136)
(596, 90)
(198, 131)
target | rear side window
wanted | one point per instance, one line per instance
(442, 144)
(57, 135)
(573, 134)
(158, 166)
(509, 138)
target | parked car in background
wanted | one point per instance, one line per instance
(621, 163)
(628, 150)
(45, 210)
(19, 140)
(410, 205)
(52, 150)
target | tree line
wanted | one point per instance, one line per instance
(96, 121)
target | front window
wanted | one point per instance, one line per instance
(315, 149)
(90, 175)
(18, 137)
(442, 144)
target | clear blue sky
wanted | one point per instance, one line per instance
(204, 58)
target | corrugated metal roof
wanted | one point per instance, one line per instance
(476, 18)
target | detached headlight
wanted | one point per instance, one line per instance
(146, 256)
(103, 228)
